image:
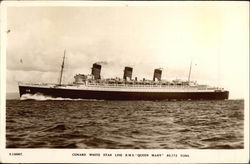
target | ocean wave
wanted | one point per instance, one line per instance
(124, 124)
(41, 97)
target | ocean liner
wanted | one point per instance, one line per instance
(92, 86)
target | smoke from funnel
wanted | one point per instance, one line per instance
(102, 63)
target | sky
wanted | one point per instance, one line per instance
(214, 36)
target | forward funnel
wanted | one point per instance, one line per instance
(96, 71)
(127, 73)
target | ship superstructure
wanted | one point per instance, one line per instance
(92, 86)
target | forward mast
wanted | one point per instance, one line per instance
(61, 72)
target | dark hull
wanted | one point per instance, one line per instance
(117, 95)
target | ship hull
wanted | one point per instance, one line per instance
(122, 95)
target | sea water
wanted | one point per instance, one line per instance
(62, 123)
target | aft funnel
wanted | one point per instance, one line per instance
(157, 74)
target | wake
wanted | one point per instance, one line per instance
(41, 97)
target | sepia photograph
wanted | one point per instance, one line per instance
(136, 78)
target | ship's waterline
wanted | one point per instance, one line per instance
(116, 94)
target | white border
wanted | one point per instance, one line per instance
(66, 155)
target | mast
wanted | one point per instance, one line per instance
(61, 73)
(190, 71)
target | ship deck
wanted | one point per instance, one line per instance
(128, 87)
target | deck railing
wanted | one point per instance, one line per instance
(137, 86)
(103, 85)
